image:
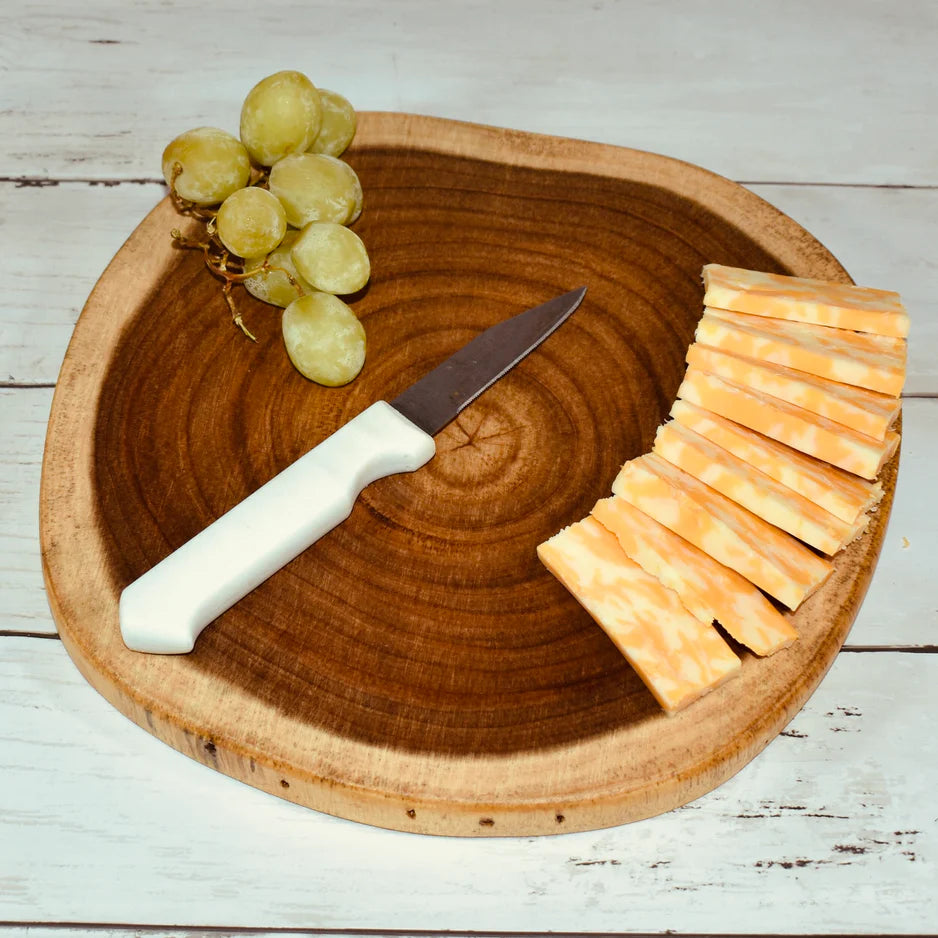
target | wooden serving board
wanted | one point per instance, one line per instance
(418, 668)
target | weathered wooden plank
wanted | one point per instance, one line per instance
(59, 239)
(67, 233)
(102, 823)
(23, 416)
(68, 930)
(904, 570)
(748, 97)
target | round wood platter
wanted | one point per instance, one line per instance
(418, 668)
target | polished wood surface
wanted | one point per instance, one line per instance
(418, 668)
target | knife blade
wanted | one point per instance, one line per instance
(166, 609)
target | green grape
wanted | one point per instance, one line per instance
(272, 285)
(315, 187)
(251, 222)
(214, 164)
(332, 258)
(281, 114)
(338, 124)
(324, 339)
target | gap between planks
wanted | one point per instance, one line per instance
(43, 181)
(852, 649)
(38, 929)
(26, 385)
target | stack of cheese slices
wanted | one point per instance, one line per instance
(766, 469)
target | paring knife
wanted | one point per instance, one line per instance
(164, 611)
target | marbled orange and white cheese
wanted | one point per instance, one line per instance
(766, 556)
(867, 412)
(753, 489)
(799, 428)
(709, 590)
(866, 361)
(678, 657)
(843, 494)
(800, 299)
(782, 423)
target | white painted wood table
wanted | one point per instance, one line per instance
(826, 109)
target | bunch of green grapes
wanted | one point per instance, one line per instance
(277, 202)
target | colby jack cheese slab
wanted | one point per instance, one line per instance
(787, 423)
(866, 361)
(788, 400)
(678, 657)
(707, 588)
(865, 411)
(841, 493)
(767, 557)
(753, 489)
(800, 299)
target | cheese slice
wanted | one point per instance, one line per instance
(841, 493)
(707, 588)
(799, 428)
(835, 354)
(799, 299)
(751, 488)
(767, 557)
(864, 411)
(678, 657)
(827, 337)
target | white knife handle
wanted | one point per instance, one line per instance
(165, 610)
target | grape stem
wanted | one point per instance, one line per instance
(235, 312)
(217, 259)
(182, 241)
(259, 176)
(218, 265)
(216, 255)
